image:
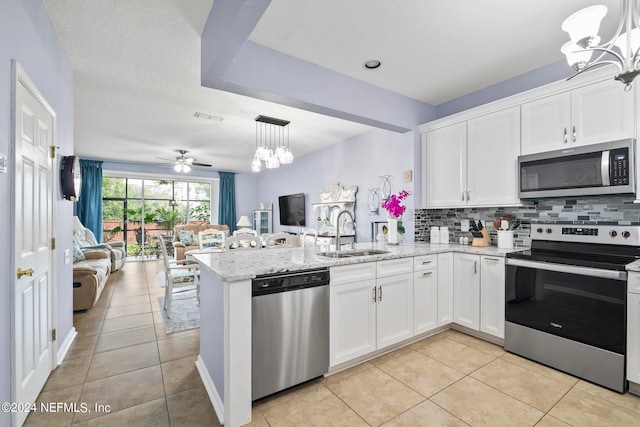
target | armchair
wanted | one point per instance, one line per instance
(87, 240)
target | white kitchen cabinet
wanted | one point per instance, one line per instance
(492, 300)
(425, 293)
(369, 312)
(474, 163)
(466, 290)
(493, 149)
(599, 112)
(446, 166)
(394, 310)
(445, 288)
(633, 328)
(352, 327)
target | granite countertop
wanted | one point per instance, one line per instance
(233, 266)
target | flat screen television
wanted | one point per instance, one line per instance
(292, 209)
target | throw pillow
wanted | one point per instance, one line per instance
(188, 237)
(214, 245)
(77, 252)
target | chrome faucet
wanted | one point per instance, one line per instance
(353, 221)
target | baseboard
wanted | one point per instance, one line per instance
(66, 345)
(214, 397)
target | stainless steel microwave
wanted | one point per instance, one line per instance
(607, 168)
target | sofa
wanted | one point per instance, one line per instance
(87, 240)
(182, 245)
(90, 276)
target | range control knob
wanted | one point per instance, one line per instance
(626, 234)
(549, 231)
(613, 233)
(539, 230)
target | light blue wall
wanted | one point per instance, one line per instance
(358, 161)
(26, 34)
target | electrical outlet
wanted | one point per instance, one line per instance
(4, 163)
(464, 225)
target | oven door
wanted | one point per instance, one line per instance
(581, 304)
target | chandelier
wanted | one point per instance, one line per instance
(621, 50)
(272, 143)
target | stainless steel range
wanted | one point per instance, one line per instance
(566, 299)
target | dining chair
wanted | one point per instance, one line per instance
(279, 240)
(245, 231)
(180, 278)
(242, 242)
(309, 237)
(211, 239)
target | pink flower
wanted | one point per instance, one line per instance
(394, 205)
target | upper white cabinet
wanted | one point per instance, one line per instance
(474, 163)
(493, 150)
(587, 115)
(446, 166)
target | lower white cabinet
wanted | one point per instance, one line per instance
(445, 288)
(633, 328)
(394, 309)
(369, 313)
(492, 301)
(425, 293)
(479, 283)
(352, 327)
(466, 290)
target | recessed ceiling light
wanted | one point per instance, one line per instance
(372, 64)
(208, 117)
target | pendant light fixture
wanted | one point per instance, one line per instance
(272, 143)
(621, 50)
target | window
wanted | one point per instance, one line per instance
(138, 210)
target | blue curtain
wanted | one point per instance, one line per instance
(90, 200)
(227, 201)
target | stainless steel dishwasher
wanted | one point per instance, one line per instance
(290, 330)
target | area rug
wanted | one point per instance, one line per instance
(185, 313)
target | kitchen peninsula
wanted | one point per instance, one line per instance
(224, 362)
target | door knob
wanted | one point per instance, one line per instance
(27, 272)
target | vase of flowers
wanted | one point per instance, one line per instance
(394, 207)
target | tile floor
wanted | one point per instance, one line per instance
(122, 357)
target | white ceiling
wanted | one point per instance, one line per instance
(137, 65)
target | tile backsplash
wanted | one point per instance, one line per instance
(594, 210)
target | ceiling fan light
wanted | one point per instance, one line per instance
(178, 167)
(585, 23)
(186, 168)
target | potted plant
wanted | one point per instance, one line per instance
(135, 217)
(395, 208)
(168, 218)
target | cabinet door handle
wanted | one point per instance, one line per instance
(492, 259)
(566, 135)
(380, 292)
(426, 262)
(428, 273)
(574, 133)
(375, 295)
(463, 195)
(475, 267)
(468, 195)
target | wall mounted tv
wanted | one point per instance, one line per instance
(292, 209)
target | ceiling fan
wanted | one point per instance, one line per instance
(183, 163)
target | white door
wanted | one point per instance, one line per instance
(492, 299)
(466, 290)
(602, 112)
(546, 124)
(446, 166)
(352, 324)
(494, 139)
(33, 204)
(395, 309)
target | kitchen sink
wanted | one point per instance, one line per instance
(347, 254)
